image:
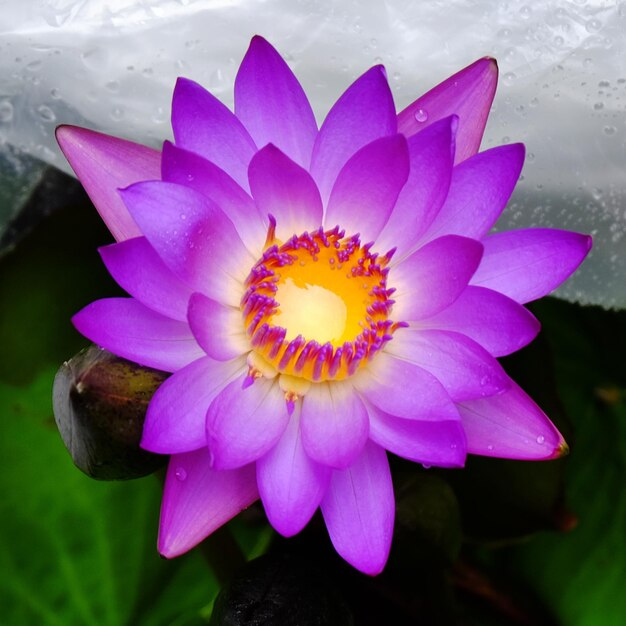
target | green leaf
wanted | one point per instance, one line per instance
(583, 573)
(77, 551)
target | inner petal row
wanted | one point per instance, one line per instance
(317, 306)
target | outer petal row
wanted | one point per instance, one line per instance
(468, 94)
(127, 328)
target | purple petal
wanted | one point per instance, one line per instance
(479, 191)
(281, 187)
(359, 510)
(367, 187)
(404, 390)
(202, 124)
(432, 278)
(431, 153)
(528, 264)
(272, 105)
(244, 424)
(510, 426)
(193, 237)
(127, 328)
(197, 500)
(175, 420)
(362, 114)
(290, 483)
(139, 270)
(104, 164)
(189, 169)
(432, 443)
(217, 328)
(468, 94)
(464, 368)
(497, 323)
(334, 424)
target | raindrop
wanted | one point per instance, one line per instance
(421, 115)
(180, 474)
(609, 130)
(426, 466)
(489, 447)
(509, 78)
(33, 66)
(540, 439)
(598, 106)
(113, 86)
(593, 26)
(55, 94)
(117, 114)
(46, 113)
(525, 11)
(6, 111)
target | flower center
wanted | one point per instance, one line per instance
(317, 306)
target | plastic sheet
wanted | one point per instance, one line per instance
(111, 65)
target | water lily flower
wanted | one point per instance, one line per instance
(322, 297)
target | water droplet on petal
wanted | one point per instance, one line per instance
(421, 115)
(426, 466)
(180, 473)
(489, 447)
(540, 439)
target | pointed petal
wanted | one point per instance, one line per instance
(197, 500)
(189, 169)
(431, 154)
(283, 189)
(175, 420)
(441, 444)
(362, 114)
(468, 94)
(291, 484)
(217, 328)
(434, 276)
(510, 426)
(127, 328)
(465, 369)
(105, 164)
(404, 390)
(334, 424)
(193, 237)
(368, 186)
(272, 105)
(139, 270)
(497, 323)
(359, 510)
(479, 191)
(528, 264)
(244, 424)
(202, 124)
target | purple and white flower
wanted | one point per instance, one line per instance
(321, 296)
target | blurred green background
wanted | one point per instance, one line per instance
(498, 543)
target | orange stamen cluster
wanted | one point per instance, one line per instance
(335, 265)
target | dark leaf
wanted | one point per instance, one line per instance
(280, 590)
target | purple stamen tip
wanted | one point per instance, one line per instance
(247, 382)
(291, 405)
